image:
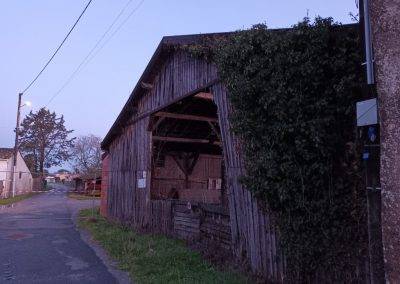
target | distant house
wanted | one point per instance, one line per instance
(63, 177)
(50, 179)
(84, 183)
(23, 176)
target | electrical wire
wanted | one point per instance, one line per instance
(88, 57)
(118, 28)
(58, 48)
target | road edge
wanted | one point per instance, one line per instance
(112, 265)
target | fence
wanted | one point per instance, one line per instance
(192, 221)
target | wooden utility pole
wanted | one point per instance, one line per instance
(16, 145)
(385, 16)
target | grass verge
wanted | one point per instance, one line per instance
(153, 258)
(81, 196)
(11, 200)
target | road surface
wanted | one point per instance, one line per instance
(39, 243)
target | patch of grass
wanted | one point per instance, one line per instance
(81, 196)
(11, 200)
(153, 258)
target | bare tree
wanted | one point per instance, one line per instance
(86, 154)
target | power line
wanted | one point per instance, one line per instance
(85, 60)
(58, 48)
(118, 28)
(89, 56)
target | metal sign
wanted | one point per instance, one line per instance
(367, 112)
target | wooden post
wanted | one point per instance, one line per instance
(386, 37)
(16, 145)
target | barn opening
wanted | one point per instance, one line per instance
(187, 161)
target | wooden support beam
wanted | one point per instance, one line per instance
(214, 129)
(180, 166)
(206, 96)
(185, 116)
(192, 161)
(184, 140)
(153, 124)
(161, 119)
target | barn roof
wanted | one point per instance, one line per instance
(164, 46)
(6, 153)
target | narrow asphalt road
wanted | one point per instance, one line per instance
(40, 244)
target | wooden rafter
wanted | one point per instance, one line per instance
(214, 129)
(203, 95)
(186, 116)
(153, 124)
(184, 140)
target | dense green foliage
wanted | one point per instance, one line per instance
(293, 93)
(153, 259)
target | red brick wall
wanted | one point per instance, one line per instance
(104, 184)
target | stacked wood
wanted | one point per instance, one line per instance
(186, 225)
(215, 228)
(200, 222)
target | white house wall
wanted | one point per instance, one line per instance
(23, 181)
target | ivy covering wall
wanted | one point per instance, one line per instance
(293, 93)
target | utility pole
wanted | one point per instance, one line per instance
(16, 144)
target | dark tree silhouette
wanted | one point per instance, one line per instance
(44, 141)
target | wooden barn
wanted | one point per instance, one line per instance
(174, 164)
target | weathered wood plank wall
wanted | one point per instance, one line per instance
(171, 176)
(130, 153)
(252, 230)
(202, 222)
(105, 172)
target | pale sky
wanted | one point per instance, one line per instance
(32, 29)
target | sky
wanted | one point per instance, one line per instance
(31, 30)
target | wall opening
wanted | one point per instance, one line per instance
(187, 162)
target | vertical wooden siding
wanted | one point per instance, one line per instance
(253, 235)
(253, 232)
(104, 184)
(130, 153)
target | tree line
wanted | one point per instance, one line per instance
(45, 142)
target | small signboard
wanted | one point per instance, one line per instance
(141, 181)
(367, 112)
